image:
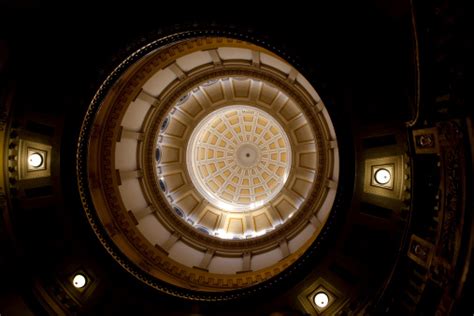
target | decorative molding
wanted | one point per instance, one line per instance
(426, 141)
(97, 200)
(420, 251)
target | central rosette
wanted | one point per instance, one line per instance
(247, 155)
(239, 157)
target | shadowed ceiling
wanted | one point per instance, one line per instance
(398, 103)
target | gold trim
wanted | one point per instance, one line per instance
(104, 182)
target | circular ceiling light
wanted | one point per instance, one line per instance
(321, 299)
(239, 158)
(35, 160)
(79, 281)
(383, 176)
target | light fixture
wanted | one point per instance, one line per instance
(321, 299)
(35, 160)
(79, 281)
(382, 176)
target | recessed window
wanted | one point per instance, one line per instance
(163, 185)
(210, 82)
(35, 160)
(79, 281)
(382, 176)
(183, 99)
(179, 212)
(165, 124)
(321, 299)
(158, 154)
(203, 230)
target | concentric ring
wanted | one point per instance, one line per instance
(239, 158)
(137, 188)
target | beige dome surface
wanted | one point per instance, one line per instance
(239, 158)
(213, 165)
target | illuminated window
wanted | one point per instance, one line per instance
(179, 212)
(165, 124)
(163, 185)
(203, 230)
(158, 154)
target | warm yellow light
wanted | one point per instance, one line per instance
(250, 159)
(321, 299)
(35, 160)
(79, 281)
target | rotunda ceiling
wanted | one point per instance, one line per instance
(209, 165)
(239, 158)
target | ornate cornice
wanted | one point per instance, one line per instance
(98, 182)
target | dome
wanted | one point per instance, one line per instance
(212, 164)
(239, 158)
(98, 190)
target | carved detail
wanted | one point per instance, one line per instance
(154, 262)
